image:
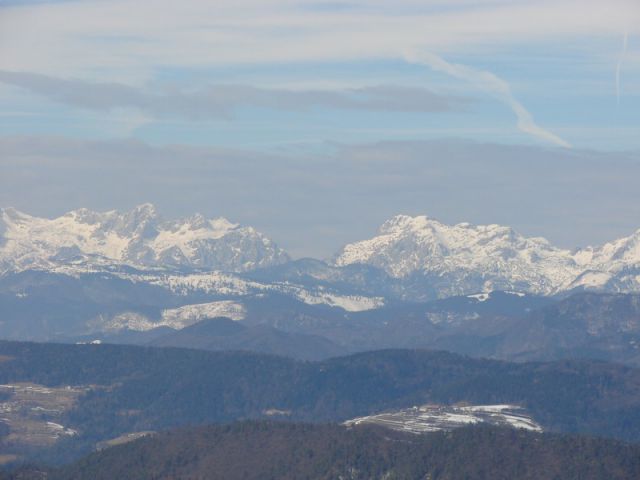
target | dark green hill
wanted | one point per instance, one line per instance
(586, 325)
(139, 389)
(296, 451)
(226, 334)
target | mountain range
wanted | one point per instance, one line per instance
(463, 258)
(139, 238)
(411, 258)
(479, 290)
(158, 324)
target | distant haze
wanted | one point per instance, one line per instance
(316, 121)
(312, 204)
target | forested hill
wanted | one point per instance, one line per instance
(135, 389)
(292, 451)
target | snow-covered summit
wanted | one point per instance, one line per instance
(139, 238)
(488, 257)
(624, 250)
(425, 257)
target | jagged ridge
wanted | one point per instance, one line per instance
(464, 258)
(425, 257)
(138, 238)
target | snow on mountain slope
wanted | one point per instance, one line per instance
(426, 258)
(137, 238)
(176, 318)
(189, 314)
(614, 266)
(465, 258)
(612, 255)
(350, 303)
(218, 283)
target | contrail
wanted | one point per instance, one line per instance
(491, 84)
(625, 41)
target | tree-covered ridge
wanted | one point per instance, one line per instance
(140, 389)
(259, 450)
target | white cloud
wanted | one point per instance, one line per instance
(491, 84)
(128, 39)
(625, 44)
(219, 101)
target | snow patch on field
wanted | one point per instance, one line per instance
(34, 413)
(432, 418)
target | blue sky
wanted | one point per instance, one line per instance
(285, 79)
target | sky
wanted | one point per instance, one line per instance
(316, 121)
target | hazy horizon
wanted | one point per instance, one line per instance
(316, 121)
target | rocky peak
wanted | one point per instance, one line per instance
(138, 238)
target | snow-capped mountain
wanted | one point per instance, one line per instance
(464, 258)
(139, 238)
(614, 266)
(412, 258)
